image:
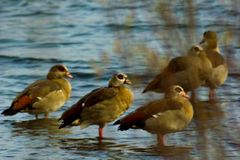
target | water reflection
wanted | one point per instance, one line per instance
(90, 147)
(115, 149)
(207, 112)
(145, 34)
(38, 127)
(209, 118)
(88, 144)
(172, 151)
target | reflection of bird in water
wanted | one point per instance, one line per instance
(207, 112)
(220, 69)
(208, 117)
(43, 96)
(87, 145)
(168, 115)
(175, 152)
(38, 127)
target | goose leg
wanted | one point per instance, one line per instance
(160, 139)
(46, 115)
(212, 93)
(100, 133)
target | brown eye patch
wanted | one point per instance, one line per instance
(61, 68)
(120, 76)
(196, 49)
(177, 89)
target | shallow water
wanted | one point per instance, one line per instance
(34, 35)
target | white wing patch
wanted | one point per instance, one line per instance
(49, 103)
(39, 98)
(157, 115)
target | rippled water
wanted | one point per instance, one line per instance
(35, 35)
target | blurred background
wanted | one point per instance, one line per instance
(98, 38)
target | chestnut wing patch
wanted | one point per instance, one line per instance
(136, 119)
(18, 105)
(22, 102)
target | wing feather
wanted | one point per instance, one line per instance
(151, 109)
(89, 100)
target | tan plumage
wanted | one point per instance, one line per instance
(100, 106)
(168, 115)
(220, 69)
(188, 71)
(43, 96)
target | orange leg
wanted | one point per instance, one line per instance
(46, 115)
(160, 139)
(212, 93)
(100, 133)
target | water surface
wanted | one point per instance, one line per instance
(84, 35)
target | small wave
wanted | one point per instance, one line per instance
(84, 75)
(234, 74)
(115, 26)
(36, 13)
(33, 59)
(81, 34)
(6, 40)
(53, 45)
(23, 77)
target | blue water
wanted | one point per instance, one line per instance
(98, 38)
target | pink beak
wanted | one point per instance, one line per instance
(127, 81)
(68, 75)
(184, 95)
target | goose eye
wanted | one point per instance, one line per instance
(178, 89)
(196, 49)
(62, 69)
(120, 76)
(204, 34)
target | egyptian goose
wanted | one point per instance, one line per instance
(189, 71)
(101, 106)
(220, 69)
(168, 115)
(43, 96)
